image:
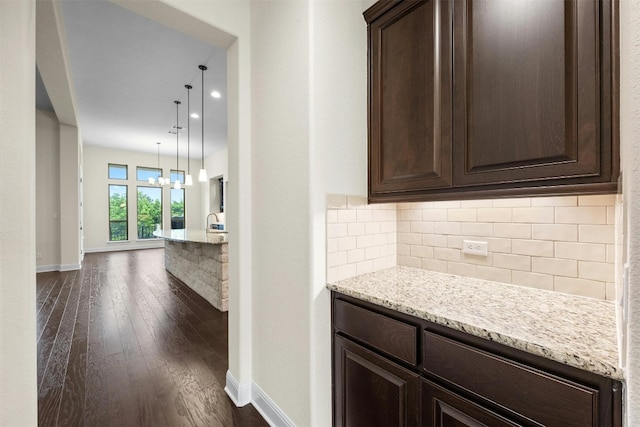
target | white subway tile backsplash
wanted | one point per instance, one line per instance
(597, 271)
(555, 266)
(337, 230)
(462, 215)
(586, 288)
(495, 214)
(518, 231)
(512, 262)
(476, 229)
(347, 243)
(555, 201)
(364, 215)
(532, 280)
(581, 215)
(345, 215)
(562, 232)
(597, 200)
(433, 265)
(355, 229)
(562, 243)
(512, 203)
(434, 214)
(541, 248)
(446, 227)
(462, 269)
(410, 261)
(422, 251)
(581, 251)
(447, 254)
(597, 233)
(494, 274)
(538, 215)
(422, 227)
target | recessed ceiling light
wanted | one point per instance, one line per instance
(216, 94)
(195, 116)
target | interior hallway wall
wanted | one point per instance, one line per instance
(47, 191)
(18, 392)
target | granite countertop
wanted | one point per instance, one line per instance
(192, 235)
(576, 331)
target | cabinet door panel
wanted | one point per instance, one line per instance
(410, 98)
(526, 97)
(444, 408)
(371, 391)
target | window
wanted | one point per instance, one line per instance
(177, 208)
(118, 213)
(177, 175)
(143, 174)
(117, 171)
(221, 185)
(149, 211)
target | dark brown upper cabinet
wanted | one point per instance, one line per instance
(492, 98)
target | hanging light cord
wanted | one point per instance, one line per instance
(188, 129)
(202, 68)
(177, 128)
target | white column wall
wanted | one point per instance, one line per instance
(18, 392)
(47, 191)
(69, 197)
(630, 157)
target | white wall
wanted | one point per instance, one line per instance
(630, 157)
(96, 196)
(47, 191)
(18, 391)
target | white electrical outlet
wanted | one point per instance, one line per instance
(474, 247)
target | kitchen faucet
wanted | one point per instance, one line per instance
(209, 216)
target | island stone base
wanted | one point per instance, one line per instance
(201, 266)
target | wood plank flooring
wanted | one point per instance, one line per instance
(123, 343)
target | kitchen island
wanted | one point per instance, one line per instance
(200, 260)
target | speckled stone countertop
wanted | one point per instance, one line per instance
(576, 331)
(193, 235)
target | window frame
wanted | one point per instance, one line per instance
(126, 220)
(184, 208)
(126, 171)
(158, 171)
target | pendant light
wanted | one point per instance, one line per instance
(188, 180)
(176, 185)
(202, 176)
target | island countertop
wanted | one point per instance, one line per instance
(192, 235)
(576, 331)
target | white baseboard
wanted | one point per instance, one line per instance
(46, 268)
(69, 267)
(268, 409)
(240, 394)
(252, 393)
(128, 247)
(57, 267)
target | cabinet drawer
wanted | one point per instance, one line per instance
(532, 394)
(396, 338)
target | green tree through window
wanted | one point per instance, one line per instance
(149, 211)
(118, 212)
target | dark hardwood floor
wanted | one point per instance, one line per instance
(123, 343)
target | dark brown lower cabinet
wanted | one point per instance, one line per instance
(444, 408)
(374, 391)
(391, 369)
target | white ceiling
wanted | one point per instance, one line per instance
(127, 70)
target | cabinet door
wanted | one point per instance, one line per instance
(410, 98)
(371, 391)
(526, 91)
(444, 408)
